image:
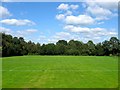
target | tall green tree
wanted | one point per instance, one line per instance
(91, 47)
(99, 50)
(14, 46)
(61, 47)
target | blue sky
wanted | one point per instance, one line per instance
(48, 22)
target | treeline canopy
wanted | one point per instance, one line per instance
(14, 46)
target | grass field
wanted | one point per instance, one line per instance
(60, 72)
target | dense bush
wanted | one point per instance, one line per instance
(14, 46)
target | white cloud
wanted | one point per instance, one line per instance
(5, 30)
(18, 33)
(26, 34)
(31, 30)
(88, 36)
(59, 36)
(60, 17)
(63, 6)
(42, 37)
(79, 20)
(108, 4)
(68, 13)
(99, 18)
(74, 6)
(63, 16)
(27, 31)
(100, 23)
(62, 35)
(76, 29)
(106, 33)
(92, 31)
(84, 34)
(4, 12)
(67, 6)
(99, 12)
(95, 13)
(16, 22)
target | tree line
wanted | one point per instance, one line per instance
(14, 46)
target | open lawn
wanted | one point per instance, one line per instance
(60, 72)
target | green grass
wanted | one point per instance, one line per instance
(0, 73)
(60, 72)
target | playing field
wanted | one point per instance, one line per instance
(60, 72)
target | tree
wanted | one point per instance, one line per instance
(14, 46)
(63, 42)
(61, 46)
(38, 47)
(43, 50)
(99, 50)
(7, 46)
(74, 47)
(60, 49)
(50, 49)
(106, 46)
(85, 50)
(113, 44)
(32, 48)
(91, 48)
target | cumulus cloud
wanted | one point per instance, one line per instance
(4, 12)
(67, 6)
(27, 34)
(5, 30)
(63, 16)
(60, 16)
(42, 37)
(74, 6)
(101, 10)
(16, 22)
(67, 10)
(68, 13)
(68, 18)
(60, 36)
(63, 6)
(27, 31)
(72, 28)
(107, 33)
(95, 13)
(79, 20)
(31, 30)
(108, 4)
(84, 33)
(92, 31)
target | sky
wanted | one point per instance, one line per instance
(48, 22)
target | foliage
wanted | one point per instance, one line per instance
(14, 46)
